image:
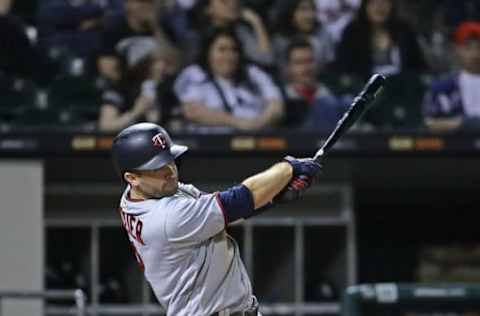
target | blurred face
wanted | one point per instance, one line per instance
(140, 9)
(469, 55)
(162, 66)
(155, 183)
(304, 16)
(223, 56)
(223, 11)
(301, 66)
(159, 68)
(378, 11)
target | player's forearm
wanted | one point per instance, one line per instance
(266, 185)
(263, 39)
(111, 120)
(201, 114)
(273, 113)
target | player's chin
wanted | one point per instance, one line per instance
(171, 188)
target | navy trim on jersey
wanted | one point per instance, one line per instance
(261, 210)
(217, 197)
(236, 202)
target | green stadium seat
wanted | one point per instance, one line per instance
(77, 95)
(400, 104)
(14, 100)
(35, 117)
(398, 107)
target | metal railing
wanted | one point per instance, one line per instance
(78, 296)
(342, 216)
(155, 309)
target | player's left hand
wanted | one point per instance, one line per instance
(305, 171)
(303, 167)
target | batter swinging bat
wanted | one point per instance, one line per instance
(359, 106)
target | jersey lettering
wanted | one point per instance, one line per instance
(133, 226)
(129, 222)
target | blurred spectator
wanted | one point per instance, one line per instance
(430, 20)
(186, 4)
(458, 11)
(172, 17)
(262, 7)
(297, 18)
(112, 291)
(376, 41)
(134, 98)
(248, 25)
(222, 92)
(138, 21)
(309, 103)
(71, 25)
(455, 101)
(18, 55)
(335, 15)
(434, 39)
(5, 6)
(450, 263)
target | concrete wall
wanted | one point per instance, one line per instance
(21, 233)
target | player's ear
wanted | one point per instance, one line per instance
(131, 178)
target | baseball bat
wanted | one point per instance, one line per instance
(358, 107)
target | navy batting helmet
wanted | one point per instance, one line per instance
(144, 146)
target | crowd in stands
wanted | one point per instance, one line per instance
(215, 66)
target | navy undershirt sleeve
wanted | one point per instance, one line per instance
(237, 202)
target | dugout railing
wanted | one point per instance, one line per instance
(77, 296)
(298, 226)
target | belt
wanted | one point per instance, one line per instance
(244, 313)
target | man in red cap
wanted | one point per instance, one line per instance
(455, 101)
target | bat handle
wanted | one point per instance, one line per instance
(319, 155)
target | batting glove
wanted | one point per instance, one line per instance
(304, 172)
(305, 167)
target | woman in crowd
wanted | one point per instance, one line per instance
(222, 92)
(376, 41)
(297, 18)
(248, 26)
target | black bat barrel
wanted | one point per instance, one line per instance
(357, 108)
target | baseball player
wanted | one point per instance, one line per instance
(178, 232)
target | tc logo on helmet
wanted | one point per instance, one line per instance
(159, 141)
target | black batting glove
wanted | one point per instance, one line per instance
(304, 172)
(304, 166)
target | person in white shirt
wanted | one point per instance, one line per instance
(335, 15)
(454, 101)
(222, 92)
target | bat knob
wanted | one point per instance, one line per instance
(318, 155)
(373, 87)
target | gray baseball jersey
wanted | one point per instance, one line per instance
(192, 264)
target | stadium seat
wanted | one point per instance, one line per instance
(75, 98)
(16, 95)
(399, 106)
